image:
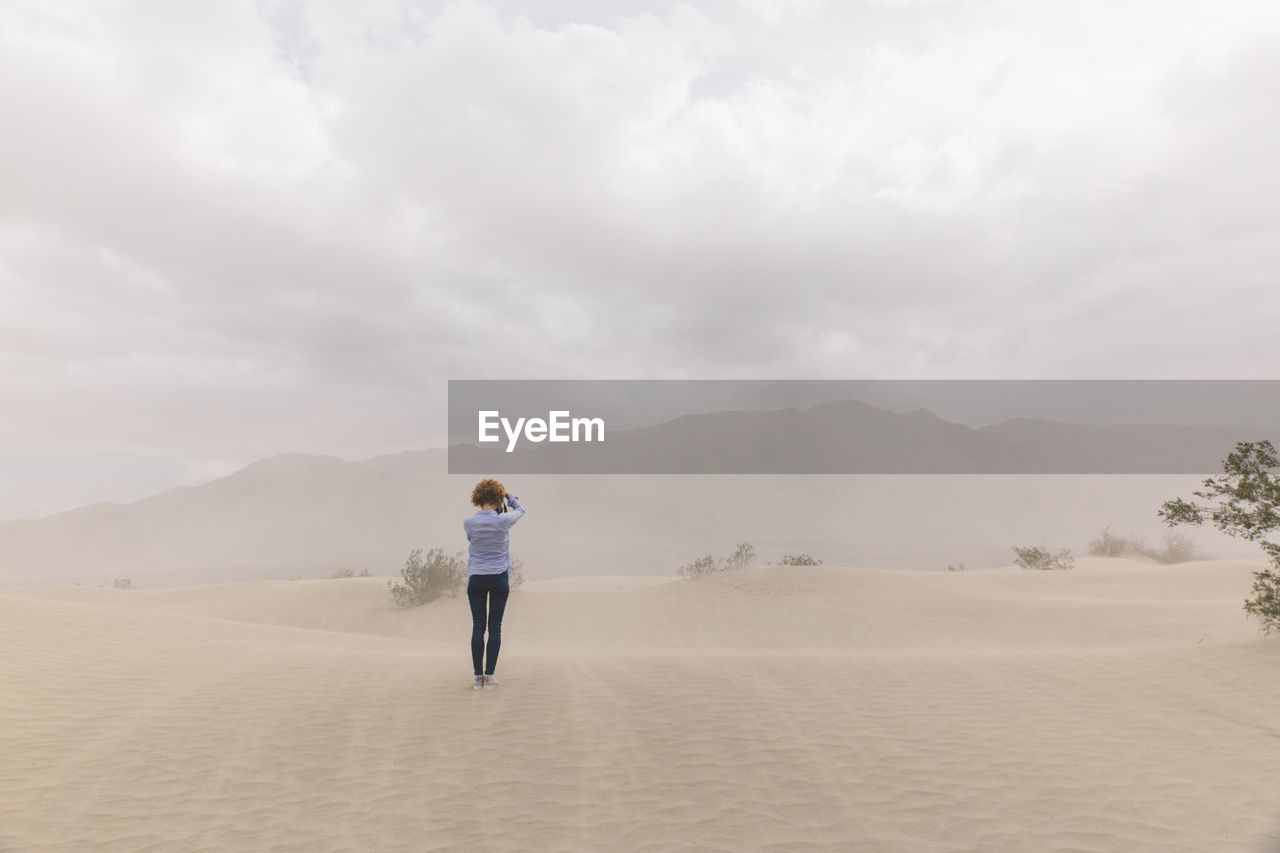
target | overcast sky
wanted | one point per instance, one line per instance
(234, 229)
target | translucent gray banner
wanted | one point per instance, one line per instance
(855, 426)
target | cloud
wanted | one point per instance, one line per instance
(257, 227)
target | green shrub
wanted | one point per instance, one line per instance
(1039, 559)
(427, 579)
(1265, 603)
(798, 560)
(1249, 507)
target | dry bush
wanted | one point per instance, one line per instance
(704, 565)
(427, 579)
(1039, 559)
(1177, 549)
(742, 557)
(349, 573)
(798, 560)
(1109, 544)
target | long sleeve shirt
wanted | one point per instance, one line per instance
(489, 535)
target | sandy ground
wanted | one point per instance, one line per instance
(1117, 707)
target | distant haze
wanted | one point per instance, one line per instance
(311, 516)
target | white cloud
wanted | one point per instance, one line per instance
(244, 228)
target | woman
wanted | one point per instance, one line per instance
(489, 571)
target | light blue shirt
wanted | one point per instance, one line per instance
(489, 533)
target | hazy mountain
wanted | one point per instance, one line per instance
(313, 515)
(851, 437)
(286, 513)
(1124, 448)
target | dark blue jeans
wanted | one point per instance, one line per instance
(495, 588)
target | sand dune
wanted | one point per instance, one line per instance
(1121, 706)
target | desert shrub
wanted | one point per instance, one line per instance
(958, 567)
(742, 557)
(1264, 604)
(428, 579)
(517, 573)
(798, 560)
(1249, 507)
(1109, 544)
(1177, 549)
(1039, 559)
(350, 573)
(704, 565)
(123, 583)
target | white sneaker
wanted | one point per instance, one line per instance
(490, 681)
(479, 683)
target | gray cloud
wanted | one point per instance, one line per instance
(249, 228)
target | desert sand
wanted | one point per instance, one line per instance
(1120, 706)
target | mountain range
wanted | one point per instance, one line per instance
(310, 516)
(852, 437)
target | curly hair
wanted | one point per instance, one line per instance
(488, 491)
